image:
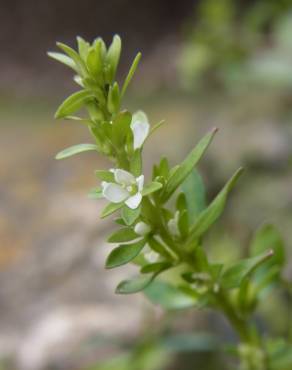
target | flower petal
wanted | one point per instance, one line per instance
(114, 192)
(140, 127)
(124, 177)
(141, 228)
(151, 256)
(139, 116)
(140, 182)
(134, 201)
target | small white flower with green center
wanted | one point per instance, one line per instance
(126, 188)
(173, 225)
(140, 128)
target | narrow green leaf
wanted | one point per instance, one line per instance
(95, 193)
(268, 237)
(83, 47)
(94, 61)
(151, 188)
(163, 168)
(201, 342)
(111, 208)
(155, 127)
(124, 254)
(155, 267)
(160, 249)
(234, 275)
(136, 163)
(62, 58)
(134, 285)
(131, 73)
(120, 221)
(186, 166)
(181, 202)
(123, 235)
(214, 210)
(73, 103)
(113, 55)
(121, 128)
(76, 149)
(168, 296)
(113, 102)
(194, 190)
(183, 223)
(130, 215)
(76, 57)
(78, 80)
(103, 175)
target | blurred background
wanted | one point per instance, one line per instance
(205, 63)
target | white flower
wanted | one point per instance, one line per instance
(149, 255)
(173, 225)
(126, 188)
(140, 127)
(141, 228)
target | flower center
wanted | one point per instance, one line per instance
(131, 189)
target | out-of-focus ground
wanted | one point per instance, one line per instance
(58, 309)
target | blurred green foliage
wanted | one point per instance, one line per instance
(228, 42)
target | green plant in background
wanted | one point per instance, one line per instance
(162, 221)
(227, 42)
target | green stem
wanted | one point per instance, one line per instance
(239, 324)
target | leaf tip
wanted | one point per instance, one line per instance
(270, 253)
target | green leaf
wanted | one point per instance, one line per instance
(214, 210)
(163, 168)
(74, 56)
(155, 267)
(62, 58)
(194, 190)
(131, 73)
(121, 128)
(151, 188)
(73, 103)
(134, 285)
(120, 221)
(195, 342)
(186, 166)
(159, 248)
(103, 175)
(136, 163)
(130, 215)
(183, 223)
(124, 254)
(181, 202)
(113, 55)
(113, 102)
(268, 237)
(83, 47)
(76, 149)
(155, 127)
(94, 61)
(168, 296)
(111, 208)
(123, 235)
(95, 193)
(234, 275)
